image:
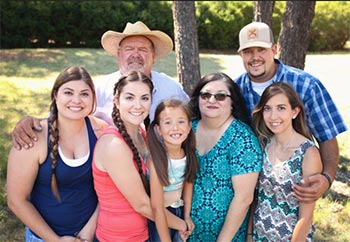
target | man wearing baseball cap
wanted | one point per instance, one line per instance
(136, 48)
(257, 50)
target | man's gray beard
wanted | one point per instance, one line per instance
(140, 69)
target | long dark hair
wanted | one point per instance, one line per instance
(71, 73)
(263, 132)
(238, 105)
(158, 151)
(133, 76)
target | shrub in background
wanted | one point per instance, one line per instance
(44, 24)
(330, 28)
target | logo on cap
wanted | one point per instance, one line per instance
(253, 33)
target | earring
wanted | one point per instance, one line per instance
(294, 117)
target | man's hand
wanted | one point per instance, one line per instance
(311, 188)
(23, 134)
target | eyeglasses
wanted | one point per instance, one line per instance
(217, 96)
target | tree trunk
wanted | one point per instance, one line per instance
(293, 39)
(186, 44)
(263, 11)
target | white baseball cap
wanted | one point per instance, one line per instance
(255, 34)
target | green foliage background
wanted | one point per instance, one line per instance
(48, 24)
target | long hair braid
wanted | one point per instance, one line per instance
(71, 73)
(53, 142)
(131, 77)
(121, 127)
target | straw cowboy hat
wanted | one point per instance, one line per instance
(162, 42)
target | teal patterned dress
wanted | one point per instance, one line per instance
(277, 211)
(237, 152)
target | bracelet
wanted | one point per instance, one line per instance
(328, 179)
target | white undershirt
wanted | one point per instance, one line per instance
(260, 87)
(73, 162)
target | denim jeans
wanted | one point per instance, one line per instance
(30, 237)
(174, 234)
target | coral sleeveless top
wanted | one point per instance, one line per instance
(117, 220)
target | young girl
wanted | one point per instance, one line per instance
(290, 155)
(172, 166)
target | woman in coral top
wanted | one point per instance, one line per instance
(119, 169)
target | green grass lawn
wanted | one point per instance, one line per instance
(26, 76)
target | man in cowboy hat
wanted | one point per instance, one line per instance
(136, 48)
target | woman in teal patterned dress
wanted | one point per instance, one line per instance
(229, 157)
(289, 155)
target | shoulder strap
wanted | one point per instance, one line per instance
(307, 144)
(91, 133)
(112, 130)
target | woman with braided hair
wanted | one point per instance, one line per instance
(54, 196)
(119, 169)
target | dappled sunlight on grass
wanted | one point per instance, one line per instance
(167, 65)
(229, 64)
(28, 63)
(42, 85)
(42, 62)
(16, 101)
(328, 226)
(344, 138)
(83, 54)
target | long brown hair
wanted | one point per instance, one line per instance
(262, 131)
(71, 73)
(158, 151)
(133, 76)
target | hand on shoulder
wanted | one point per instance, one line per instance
(98, 125)
(311, 189)
(24, 135)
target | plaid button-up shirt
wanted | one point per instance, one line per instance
(321, 114)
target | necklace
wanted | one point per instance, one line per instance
(281, 155)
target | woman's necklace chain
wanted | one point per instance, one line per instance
(276, 156)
